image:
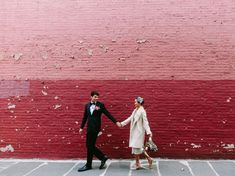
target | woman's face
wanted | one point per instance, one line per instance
(137, 104)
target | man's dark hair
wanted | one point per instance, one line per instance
(94, 93)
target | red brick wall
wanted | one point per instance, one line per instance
(178, 55)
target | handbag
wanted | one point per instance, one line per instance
(150, 146)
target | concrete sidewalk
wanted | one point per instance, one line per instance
(161, 167)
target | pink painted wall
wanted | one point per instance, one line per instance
(179, 55)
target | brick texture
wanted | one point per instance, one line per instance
(189, 119)
(177, 54)
(82, 40)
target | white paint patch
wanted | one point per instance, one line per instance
(109, 135)
(17, 56)
(229, 99)
(90, 52)
(44, 93)
(100, 133)
(11, 106)
(140, 41)
(8, 148)
(45, 87)
(196, 146)
(228, 146)
(224, 121)
(57, 106)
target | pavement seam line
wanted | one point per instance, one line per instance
(130, 171)
(190, 169)
(9, 166)
(212, 168)
(108, 164)
(35, 169)
(71, 169)
(158, 168)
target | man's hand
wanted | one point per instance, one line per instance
(119, 124)
(80, 131)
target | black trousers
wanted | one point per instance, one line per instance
(91, 148)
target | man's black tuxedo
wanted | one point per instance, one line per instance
(94, 119)
(93, 128)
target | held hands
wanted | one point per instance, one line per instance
(119, 124)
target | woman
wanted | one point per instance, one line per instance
(139, 125)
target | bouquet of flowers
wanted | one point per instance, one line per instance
(150, 145)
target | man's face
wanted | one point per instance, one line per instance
(94, 98)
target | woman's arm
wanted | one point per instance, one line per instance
(128, 120)
(146, 124)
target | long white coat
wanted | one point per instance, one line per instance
(139, 125)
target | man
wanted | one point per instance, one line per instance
(92, 113)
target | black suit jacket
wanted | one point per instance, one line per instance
(94, 119)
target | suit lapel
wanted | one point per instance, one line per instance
(88, 109)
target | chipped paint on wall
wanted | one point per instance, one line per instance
(228, 99)
(44, 93)
(11, 106)
(196, 146)
(17, 56)
(8, 148)
(57, 106)
(140, 41)
(228, 146)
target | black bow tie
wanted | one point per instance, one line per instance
(92, 103)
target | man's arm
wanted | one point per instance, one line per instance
(84, 119)
(107, 113)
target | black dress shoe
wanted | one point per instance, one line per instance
(103, 161)
(84, 168)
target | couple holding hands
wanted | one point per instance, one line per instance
(138, 127)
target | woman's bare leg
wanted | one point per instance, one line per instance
(150, 160)
(137, 161)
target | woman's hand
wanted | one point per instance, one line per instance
(150, 137)
(119, 124)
